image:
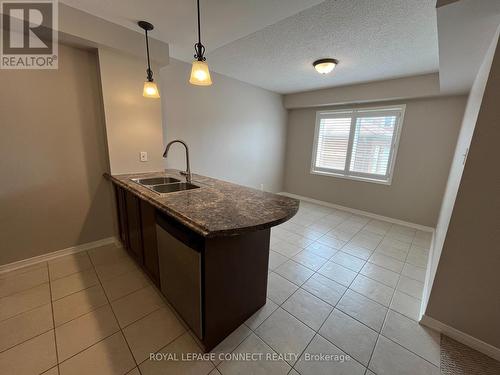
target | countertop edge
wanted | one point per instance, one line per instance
(194, 226)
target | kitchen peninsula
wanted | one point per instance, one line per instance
(204, 244)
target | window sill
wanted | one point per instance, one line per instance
(350, 177)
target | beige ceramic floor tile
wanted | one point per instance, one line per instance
(322, 250)
(106, 254)
(308, 308)
(20, 271)
(351, 336)
(279, 288)
(24, 301)
(411, 287)
(52, 371)
(182, 345)
(380, 274)
(73, 283)
(406, 305)
(69, 264)
(78, 304)
(392, 359)
(110, 270)
(309, 259)
(262, 366)
(308, 363)
(408, 333)
(18, 360)
(230, 343)
(85, 331)
(108, 357)
(122, 285)
(294, 272)
(373, 289)
(324, 288)
(337, 273)
(363, 309)
(23, 281)
(25, 326)
(276, 259)
(414, 272)
(349, 261)
(152, 333)
(136, 305)
(285, 333)
(262, 314)
(386, 262)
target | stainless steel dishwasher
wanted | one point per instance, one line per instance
(180, 264)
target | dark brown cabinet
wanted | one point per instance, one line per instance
(149, 241)
(213, 283)
(133, 208)
(137, 227)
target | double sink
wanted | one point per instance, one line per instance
(164, 185)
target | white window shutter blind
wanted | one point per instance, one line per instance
(333, 142)
(357, 143)
(372, 144)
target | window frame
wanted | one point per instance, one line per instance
(354, 113)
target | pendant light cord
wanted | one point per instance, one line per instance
(199, 23)
(198, 47)
(149, 71)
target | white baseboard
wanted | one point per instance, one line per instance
(359, 212)
(56, 254)
(462, 337)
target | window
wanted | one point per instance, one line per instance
(357, 143)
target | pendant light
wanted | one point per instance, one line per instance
(200, 75)
(150, 89)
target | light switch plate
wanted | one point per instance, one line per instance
(143, 156)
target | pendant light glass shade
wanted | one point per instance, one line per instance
(200, 75)
(150, 90)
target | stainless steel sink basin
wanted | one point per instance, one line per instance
(155, 180)
(171, 188)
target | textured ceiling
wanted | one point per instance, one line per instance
(466, 29)
(222, 21)
(272, 43)
(373, 39)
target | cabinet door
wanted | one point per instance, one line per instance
(134, 226)
(122, 215)
(150, 246)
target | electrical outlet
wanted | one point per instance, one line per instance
(143, 156)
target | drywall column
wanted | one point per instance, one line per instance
(133, 123)
(465, 296)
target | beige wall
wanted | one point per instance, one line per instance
(133, 123)
(423, 86)
(53, 154)
(428, 138)
(466, 289)
(235, 131)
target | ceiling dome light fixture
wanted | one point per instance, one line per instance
(150, 89)
(325, 66)
(200, 75)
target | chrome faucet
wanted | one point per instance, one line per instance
(187, 174)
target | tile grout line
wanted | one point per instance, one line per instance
(53, 319)
(114, 314)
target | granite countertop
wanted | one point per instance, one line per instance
(217, 208)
